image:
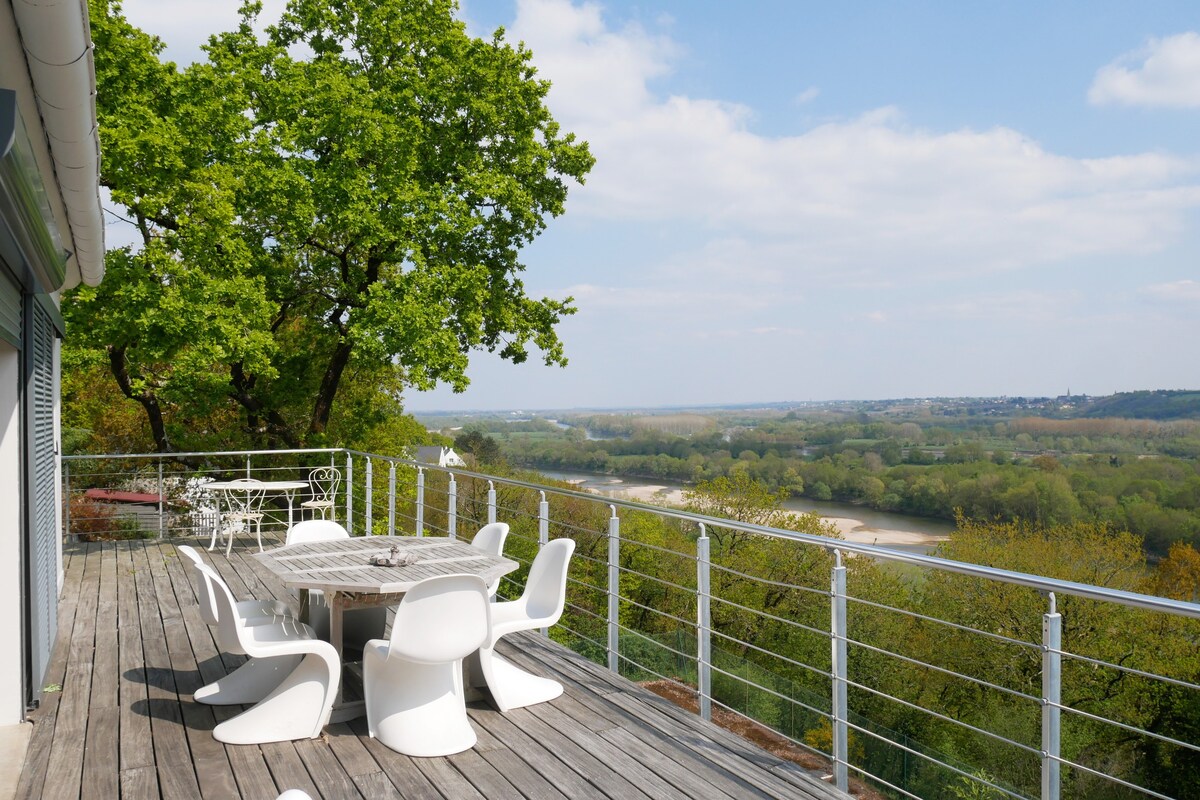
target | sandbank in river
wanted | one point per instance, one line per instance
(851, 529)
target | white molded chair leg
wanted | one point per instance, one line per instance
(249, 683)
(510, 686)
(413, 708)
(297, 709)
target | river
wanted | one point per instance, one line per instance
(856, 523)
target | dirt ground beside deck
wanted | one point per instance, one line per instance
(774, 743)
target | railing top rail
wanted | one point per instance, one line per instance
(1036, 582)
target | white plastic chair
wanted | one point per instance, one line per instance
(324, 482)
(254, 679)
(360, 624)
(414, 682)
(539, 606)
(300, 705)
(315, 530)
(253, 612)
(490, 540)
(245, 506)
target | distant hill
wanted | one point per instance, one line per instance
(1160, 405)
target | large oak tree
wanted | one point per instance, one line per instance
(334, 210)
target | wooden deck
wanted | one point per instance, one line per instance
(132, 648)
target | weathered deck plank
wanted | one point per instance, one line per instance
(132, 649)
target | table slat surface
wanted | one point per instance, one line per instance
(342, 565)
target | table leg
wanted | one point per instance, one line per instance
(335, 624)
(290, 496)
(305, 613)
(216, 531)
(342, 711)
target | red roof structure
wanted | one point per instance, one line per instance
(113, 496)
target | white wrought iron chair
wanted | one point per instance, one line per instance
(245, 506)
(414, 682)
(539, 606)
(490, 539)
(360, 624)
(300, 705)
(324, 482)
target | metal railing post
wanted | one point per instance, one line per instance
(369, 498)
(491, 502)
(350, 493)
(543, 532)
(543, 521)
(160, 499)
(391, 498)
(248, 475)
(703, 625)
(1051, 698)
(420, 521)
(841, 737)
(614, 590)
(452, 508)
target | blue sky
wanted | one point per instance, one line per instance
(808, 201)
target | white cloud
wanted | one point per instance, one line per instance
(1185, 291)
(775, 330)
(869, 196)
(807, 96)
(184, 27)
(597, 73)
(1166, 72)
(693, 299)
(1023, 307)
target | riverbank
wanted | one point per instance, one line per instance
(851, 528)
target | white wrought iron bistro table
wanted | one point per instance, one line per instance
(341, 569)
(287, 488)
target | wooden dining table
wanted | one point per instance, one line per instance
(341, 569)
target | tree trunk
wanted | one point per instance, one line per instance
(120, 371)
(276, 424)
(329, 387)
